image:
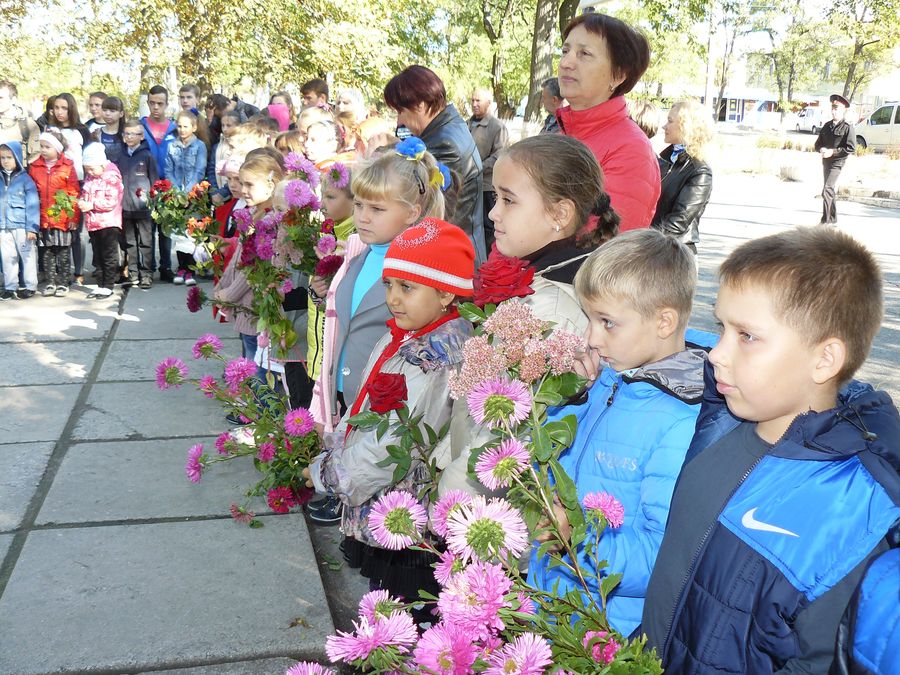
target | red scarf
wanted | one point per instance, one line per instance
(399, 337)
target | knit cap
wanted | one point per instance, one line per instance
(434, 253)
(94, 155)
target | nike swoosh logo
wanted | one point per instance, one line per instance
(751, 523)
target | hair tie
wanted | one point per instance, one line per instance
(411, 148)
(446, 177)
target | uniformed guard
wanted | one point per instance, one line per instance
(836, 141)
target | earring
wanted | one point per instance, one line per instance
(612, 87)
(557, 228)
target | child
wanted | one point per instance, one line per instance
(289, 141)
(110, 134)
(284, 98)
(139, 173)
(54, 172)
(101, 204)
(549, 192)
(637, 423)
(224, 216)
(394, 191)
(185, 167)
(315, 94)
(159, 132)
(791, 483)
(95, 108)
(258, 176)
(20, 217)
(426, 269)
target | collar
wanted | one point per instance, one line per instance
(482, 122)
(581, 123)
(563, 255)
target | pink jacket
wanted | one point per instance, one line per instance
(233, 288)
(630, 167)
(105, 193)
(322, 405)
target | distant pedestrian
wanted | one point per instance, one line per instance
(491, 137)
(646, 116)
(551, 99)
(835, 143)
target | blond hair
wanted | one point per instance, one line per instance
(265, 163)
(695, 122)
(822, 282)
(389, 176)
(643, 268)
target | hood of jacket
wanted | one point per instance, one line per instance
(15, 147)
(679, 375)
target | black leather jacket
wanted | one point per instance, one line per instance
(447, 137)
(686, 186)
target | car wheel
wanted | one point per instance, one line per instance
(861, 142)
(815, 129)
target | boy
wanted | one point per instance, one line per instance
(20, 217)
(139, 173)
(637, 423)
(189, 98)
(159, 133)
(315, 93)
(791, 483)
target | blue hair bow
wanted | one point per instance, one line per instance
(412, 148)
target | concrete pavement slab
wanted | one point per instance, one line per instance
(21, 467)
(261, 667)
(73, 317)
(47, 362)
(136, 597)
(5, 542)
(132, 480)
(161, 313)
(36, 413)
(140, 410)
(135, 360)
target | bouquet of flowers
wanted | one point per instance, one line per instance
(283, 441)
(488, 618)
(63, 203)
(173, 209)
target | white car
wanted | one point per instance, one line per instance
(881, 129)
(811, 119)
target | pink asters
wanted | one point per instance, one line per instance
(485, 530)
(308, 668)
(397, 520)
(513, 323)
(452, 500)
(376, 604)
(327, 244)
(298, 164)
(528, 654)
(298, 194)
(286, 287)
(563, 349)
(223, 442)
(194, 466)
(608, 506)
(299, 422)
(243, 219)
(496, 467)
(445, 649)
(238, 371)
(208, 385)
(339, 176)
(171, 372)
(397, 630)
(448, 565)
(473, 598)
(206, 346)
(604, 648)
(499, 402)
(265, 452)
(240, 514)
(480, 362)
(526, 604)
(281, 499)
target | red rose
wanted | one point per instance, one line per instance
(139, 193)
(162, 185)
(387, 391)
(501, 278)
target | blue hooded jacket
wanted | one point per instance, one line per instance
(159, 150)
(632, 437)
(20, 205)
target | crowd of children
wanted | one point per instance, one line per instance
(760, 481)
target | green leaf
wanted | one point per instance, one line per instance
(608, 583)
(563, 430)
(565, 486)
(540, 441)
(383, 427)
(256, 524)
(470, 312)
(365, 420)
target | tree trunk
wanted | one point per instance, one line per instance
(567, 9)
(542, 44)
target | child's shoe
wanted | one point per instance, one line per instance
(146, 282)
(25, 294)
(61, 291)
(8, 295)
(189, 279)
(49, 290)
(179, 278)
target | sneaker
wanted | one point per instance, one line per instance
(101, 293)
(167, 276)
(25, 294)
(189, 279)
(327, 512)
(179, 278)
(49, 290)
(61, 291)
(8, 295)
(146, 282)
(232, 418)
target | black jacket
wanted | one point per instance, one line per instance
(686, 187)
(447, 137)
(841, 137)
(139, 172)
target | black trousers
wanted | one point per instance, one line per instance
(490, 198)
(105, 246)
(56, 265)
(299, 386)
(138, 246)
(831, 169)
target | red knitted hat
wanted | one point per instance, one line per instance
(434, 253)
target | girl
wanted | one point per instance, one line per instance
(548, 188)
(323, 140)
(284, 98)
(101, 204)
(288, 142)
(258, 176)
(351, 101)
(426, 269)
(110, 134)
(185, 167)
(222, 151)
(395, 190)
(52, 172)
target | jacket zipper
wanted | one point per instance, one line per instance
(695, 558)
(612, 395)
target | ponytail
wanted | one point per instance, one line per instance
(607, 224)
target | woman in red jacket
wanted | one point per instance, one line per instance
(602, 59)
(53, 172)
